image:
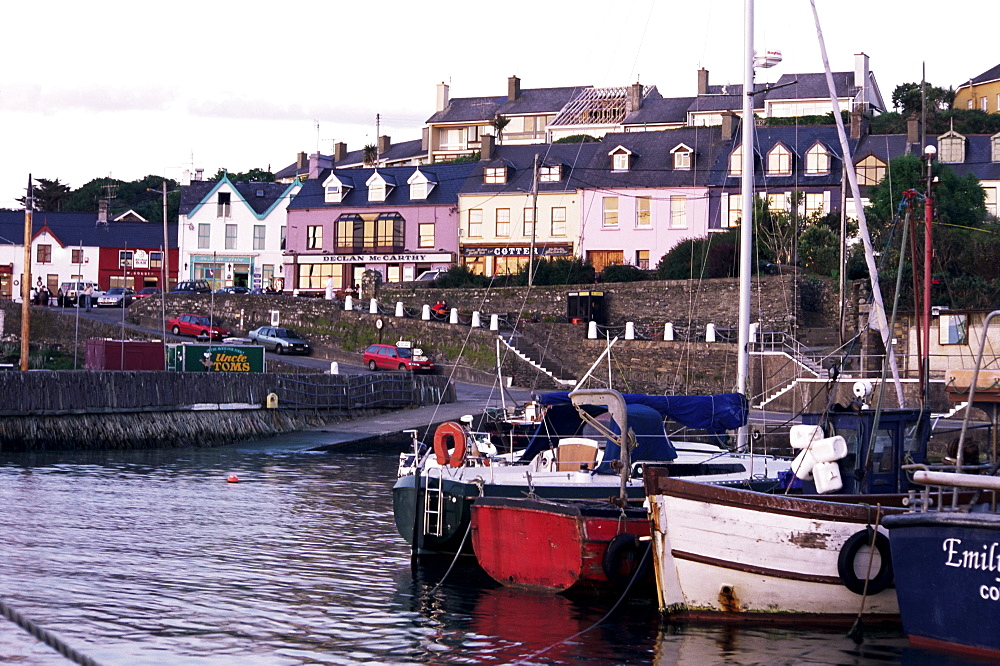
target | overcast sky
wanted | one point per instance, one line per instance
(126, 89)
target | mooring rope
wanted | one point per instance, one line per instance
(44, 635)
(479, 484)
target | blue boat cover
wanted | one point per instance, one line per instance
(715, 413)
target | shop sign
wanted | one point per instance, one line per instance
(509, 251)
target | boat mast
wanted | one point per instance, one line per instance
(746, 222)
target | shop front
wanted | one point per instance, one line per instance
(134, 269)
(494, 260)
(222, 270)
(6, 281)
(312, 272)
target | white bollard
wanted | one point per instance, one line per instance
(592, 330)
(373, 306)
(710, 333)
(477, 320)
(453, 316)
(399, 309)
(348, 302)
(494, 322)
(630, 330)
(668, 332)
(334, 368)
(425, 312)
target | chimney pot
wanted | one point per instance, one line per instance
(702, 81)
(486, 147)
(383, 144)
(634, 101)
(513, 88)
(442, 96)
(339, 151)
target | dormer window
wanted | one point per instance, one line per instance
(621, 159)
(995, 148)
(870, 170)
(736, 162)
(379, 186)
(817, 160)
(951, 147)
(420, 185)
(335, 188)
(779, 161)
(550, 174)
(682, 157)
(495, 175)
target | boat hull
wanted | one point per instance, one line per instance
(730, 554)
(557, 546)
(947, 568)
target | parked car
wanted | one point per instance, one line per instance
(146, 292)
(281, 340)
(192, 287)
(116, 297)
(70, 290)
(233, 290)
(399, 356)
(196, 325)
(429, 276)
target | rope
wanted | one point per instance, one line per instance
(458, 551)
(45, 635)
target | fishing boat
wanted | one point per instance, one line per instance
(563, 457)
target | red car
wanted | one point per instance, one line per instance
(196, 325)
(397, 357)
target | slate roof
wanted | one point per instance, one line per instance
(652, 163)
(73, 228)
(397, 152)
(810, 86)
(991, 74)
(798, 140)
(449, 179)
(531, 100)
(978, 153)
(259, 196)
(663, 110)
(519, 159)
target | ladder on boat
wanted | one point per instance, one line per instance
(434, 503)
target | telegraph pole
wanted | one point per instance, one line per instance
(29, 203)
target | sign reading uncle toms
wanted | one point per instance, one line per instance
(516, 251)
(223, 358)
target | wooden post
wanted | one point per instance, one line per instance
(29, 202)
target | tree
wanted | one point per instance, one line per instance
(701, 258)
(370, 154)
(777, 231)
(908, 99)
(255, 175)
(499, 124)
(49, 195)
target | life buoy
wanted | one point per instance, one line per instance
(848, 554)
(457, 434)
(626, 558)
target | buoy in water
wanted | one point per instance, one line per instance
(232, 478)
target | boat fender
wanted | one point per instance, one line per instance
(456, 432)
(845, 563)
(626, 558)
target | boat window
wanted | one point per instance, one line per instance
(953, 329)
(882, 454)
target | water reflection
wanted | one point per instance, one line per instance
(151, 557)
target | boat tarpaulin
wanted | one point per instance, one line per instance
(715, 413)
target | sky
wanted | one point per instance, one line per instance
(128, 89)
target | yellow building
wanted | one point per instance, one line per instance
(981, 92)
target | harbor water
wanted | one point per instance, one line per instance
(151, 557)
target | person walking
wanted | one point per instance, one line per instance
(88, 294)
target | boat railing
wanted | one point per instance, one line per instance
(941, 485)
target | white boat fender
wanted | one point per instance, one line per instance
(849, 553)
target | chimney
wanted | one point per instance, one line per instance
(729, 120)
(317, 163)
(513, 88)
(634, 100)
(425, 138)
(860, 124)
(301, 162)
(199, 174)
(185, 177)
(102, 211)
(339, 151)
(861, 78)
(486, 147)
(383, 145)
(702, 81)
(442, 96)
(913, 129)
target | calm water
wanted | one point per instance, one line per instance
(152, 558)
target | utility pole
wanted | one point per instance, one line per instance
(534, 222)
(29, 203)
(166, 245)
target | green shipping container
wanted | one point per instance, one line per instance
(188, 357)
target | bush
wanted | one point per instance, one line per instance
(622, 273)
(459, 277)
(557, 271)
(701, 258)
(819, 250)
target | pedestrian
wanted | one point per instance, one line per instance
(60, 298)
(43, 296)
(88, 294)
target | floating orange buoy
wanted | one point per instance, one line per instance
(232, 478)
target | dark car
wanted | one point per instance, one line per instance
(233, 290)
(196, 325)
(280, 340)
(397, 357)
(192, 287)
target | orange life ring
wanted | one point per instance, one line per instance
(457, 434)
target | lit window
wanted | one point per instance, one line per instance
(503, 222)
(643, 213)
(550, 174)
(995, 147)
(156, 260)
(678, 212)
(951, 148)
(642, 259)
(349, 233)
(871, 170)
(314, 237)
(682, 158)
(817, 160)
(125, 258)
(610, 211)
(815, 203)
(426, 234)
(476, 223)
(736, 162)
(230, 236)
(779, 161)
(776, 203)
(619, 161)
(733, 211)
(495, 175)
(991, 200)
(559, 221)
